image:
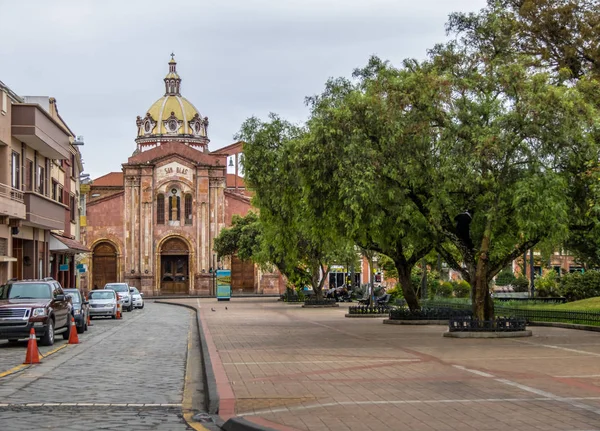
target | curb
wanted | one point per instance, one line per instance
(414, 322)
(566, 326)
(210, 386)
(366, 315)
(508, 334)
(241, 424)
(210, 383)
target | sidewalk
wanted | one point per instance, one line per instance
(312, 369)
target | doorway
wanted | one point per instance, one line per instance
(174, 267)
(104, 265)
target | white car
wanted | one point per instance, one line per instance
(103, 302)
(136, 298)
(122, 290)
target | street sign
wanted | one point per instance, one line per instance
(81, 269)
(223, 285)
(80, 266)
(64, 267)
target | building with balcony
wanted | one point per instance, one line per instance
(39, 168)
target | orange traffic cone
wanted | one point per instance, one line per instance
(89, 320)
(118, 310)
(73, 338)
(33, 355)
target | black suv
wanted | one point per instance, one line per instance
(38, 304)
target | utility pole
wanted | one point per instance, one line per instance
(424, 279)
(531, 275)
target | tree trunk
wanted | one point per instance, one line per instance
(404, 271)
(483, 305)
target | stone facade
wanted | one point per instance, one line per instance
(153, 224)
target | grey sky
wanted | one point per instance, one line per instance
(104, 60)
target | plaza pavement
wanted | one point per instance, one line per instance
(291, 368)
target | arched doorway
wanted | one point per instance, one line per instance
(174, 267)
(242, 276)
(104, 265)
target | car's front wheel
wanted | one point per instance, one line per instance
(48, 338)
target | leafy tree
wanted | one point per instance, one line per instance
(354, 139)
(505, 137)
(505, 277)
(243, 238)
(295, 234)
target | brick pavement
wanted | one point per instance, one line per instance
(313, 369)
(136, 364)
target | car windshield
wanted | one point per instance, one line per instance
(102, 294)
(135, 291)
(74, 296)
(26, 291)
(117, 287)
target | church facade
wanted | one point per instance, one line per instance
(153, 224)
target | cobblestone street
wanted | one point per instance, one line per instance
(124, 374)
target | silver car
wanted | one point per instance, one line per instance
(136, 298)
(103, 302)
(124, 296)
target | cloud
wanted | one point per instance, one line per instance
(104, 61)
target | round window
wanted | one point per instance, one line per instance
(173, 125)
(147, 126)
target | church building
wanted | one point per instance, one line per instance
(153, 224)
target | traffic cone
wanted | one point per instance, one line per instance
(33, 355)
(118, 310)
(89, 320)
(73, 338)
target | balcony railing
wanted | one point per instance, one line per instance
(11, 193)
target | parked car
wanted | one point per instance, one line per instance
(136, 298)
(38, 304)
(122, 290)
(79, 310)
(103, 302)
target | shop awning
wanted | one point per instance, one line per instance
(61, 244)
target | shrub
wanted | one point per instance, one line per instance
(578, 285)
(520, 284)
(547, 285)
(444, 290)
(396, 293)
(505, 278)
(462, 289)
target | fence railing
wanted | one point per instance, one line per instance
(528, 314)
(11, 193)
(367, 309)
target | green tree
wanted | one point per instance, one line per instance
(507, 148)
(296, 235)
(354, 141)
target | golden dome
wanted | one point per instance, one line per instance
(165, 112)
(172, 117)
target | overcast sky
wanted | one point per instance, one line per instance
(104, 60)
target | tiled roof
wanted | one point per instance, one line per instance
(110, 179)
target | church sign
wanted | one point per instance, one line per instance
(174, 169)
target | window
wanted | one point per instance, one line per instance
(4, 102)
(15, 177)
(57, 191)
(72, 207)
(41, 180)
(160, 209)
(28, 175)
(188, 209)
(72, 165)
